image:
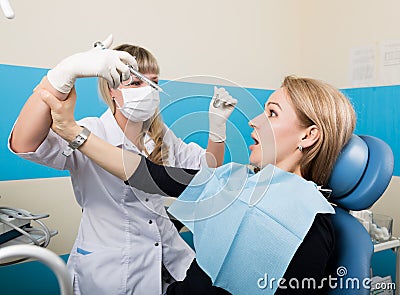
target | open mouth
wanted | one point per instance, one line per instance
(255, 139)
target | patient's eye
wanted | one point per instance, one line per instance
(272, 113)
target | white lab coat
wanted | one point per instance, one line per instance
(125, 236)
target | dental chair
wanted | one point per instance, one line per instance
(359, 178)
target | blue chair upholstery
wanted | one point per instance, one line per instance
(359, 178)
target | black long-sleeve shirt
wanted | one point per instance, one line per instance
(309, 262)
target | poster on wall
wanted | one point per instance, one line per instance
(362, 66)
(389, 69)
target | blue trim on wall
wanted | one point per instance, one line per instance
(376, 109)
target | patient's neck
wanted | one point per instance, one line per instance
(290, 166)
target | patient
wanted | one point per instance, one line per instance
(306, 121)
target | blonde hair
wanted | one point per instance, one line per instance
(318, 103)
(154, 127)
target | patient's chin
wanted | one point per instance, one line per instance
(255, 160)
(263, 162)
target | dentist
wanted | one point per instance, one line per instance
(126, 244)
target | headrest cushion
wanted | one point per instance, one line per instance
(349, 167)
(374, 179)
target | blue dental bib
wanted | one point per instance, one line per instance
(246, 226)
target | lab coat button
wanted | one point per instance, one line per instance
(150, 221)
(156, 244)
(147, 199)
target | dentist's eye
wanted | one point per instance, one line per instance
(134, 83)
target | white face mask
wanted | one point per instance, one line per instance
(139, 103)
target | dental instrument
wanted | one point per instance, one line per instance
(16, 227)
(7, 10)
(131, 69)
(145, 79)
(217, 101)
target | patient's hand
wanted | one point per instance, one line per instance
(62, 113)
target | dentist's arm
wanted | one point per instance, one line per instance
(221, 107)
(33, 123)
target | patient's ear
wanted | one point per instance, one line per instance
(311, 136)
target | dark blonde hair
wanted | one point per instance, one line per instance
(318, 103)
(154, 126)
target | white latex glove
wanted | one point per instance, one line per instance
(111, 65)
(221, 107)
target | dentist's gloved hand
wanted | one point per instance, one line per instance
(221, 107)
(111, 65)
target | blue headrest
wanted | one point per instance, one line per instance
(362, 172)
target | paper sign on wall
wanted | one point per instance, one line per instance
(389, 72)
(362, 66)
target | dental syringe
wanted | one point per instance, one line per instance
(131, 69)
(145, 79)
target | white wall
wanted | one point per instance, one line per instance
(333, 28)
(252, 43)
(389, 204)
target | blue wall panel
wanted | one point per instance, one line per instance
(185, 111)
(378, 114)
(16, 86)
